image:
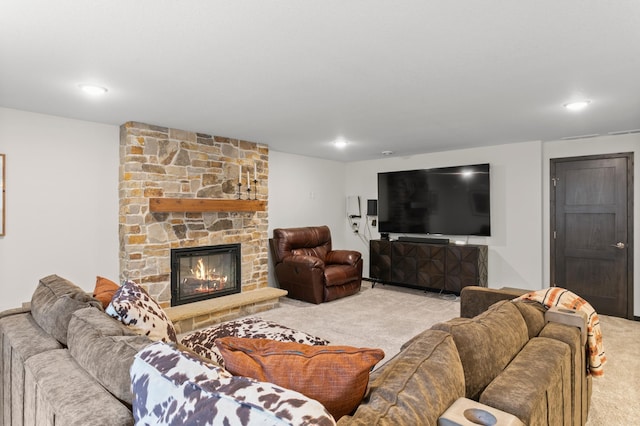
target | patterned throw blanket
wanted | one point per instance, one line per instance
(556, 296)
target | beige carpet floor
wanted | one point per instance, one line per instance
(386, 316)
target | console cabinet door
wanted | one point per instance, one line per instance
(465, 267)
(404, 263)
(380, 260)
(431, 266)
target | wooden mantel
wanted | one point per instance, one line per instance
(168, 205)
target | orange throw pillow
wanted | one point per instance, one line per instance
(104, 290)
(336, 376)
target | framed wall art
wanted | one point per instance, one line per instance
(2, 189)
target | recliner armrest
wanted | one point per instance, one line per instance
(303, 261)
(302, 276)
(343, 257)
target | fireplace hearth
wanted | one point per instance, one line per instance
(200, 273)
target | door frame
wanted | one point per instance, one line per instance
(552, 217)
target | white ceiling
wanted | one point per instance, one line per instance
(411, 76)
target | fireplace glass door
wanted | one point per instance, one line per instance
(199, 273)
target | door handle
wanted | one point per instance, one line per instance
(618, 245)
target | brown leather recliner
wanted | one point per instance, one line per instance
(307, 267)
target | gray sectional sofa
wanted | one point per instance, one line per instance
(64, 361)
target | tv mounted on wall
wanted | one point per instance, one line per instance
(443, 201)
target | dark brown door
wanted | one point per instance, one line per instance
(592, 228)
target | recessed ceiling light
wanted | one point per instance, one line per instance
(340, 143)
(578, 105)
(92, 89)
(387, 153)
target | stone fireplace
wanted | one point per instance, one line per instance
(201, 273)
(160, 164)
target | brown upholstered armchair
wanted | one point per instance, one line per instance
(307, 267)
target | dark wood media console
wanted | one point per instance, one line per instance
(439, 267)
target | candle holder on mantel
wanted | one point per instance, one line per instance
(255, 190)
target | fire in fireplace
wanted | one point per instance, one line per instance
(199, 273)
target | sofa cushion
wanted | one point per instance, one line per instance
(487, 343)
(415, 387)
(205, 394)
(53, 302)
(132, 305)
(202, 341)
(533, 314)
(58, 391)
(336, 376)
(105, 348)
(104, 290)
(535, 387)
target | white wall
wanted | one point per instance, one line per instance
(62, 202)
(305, 191)
(594, 146)
(515, 245)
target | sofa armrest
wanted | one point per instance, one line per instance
(569, 317)
(580, 385)
(474, 299)
(343, 257)
(536, 385)
(571, 336)
(15, 311)
(464, 409)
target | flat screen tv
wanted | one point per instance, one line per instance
(442, 201)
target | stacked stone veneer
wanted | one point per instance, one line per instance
(162, 162)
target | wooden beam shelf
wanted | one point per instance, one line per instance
(187, 205)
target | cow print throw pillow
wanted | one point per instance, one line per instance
(133, 306)
(202, 341)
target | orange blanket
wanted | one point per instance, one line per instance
(556, 296)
